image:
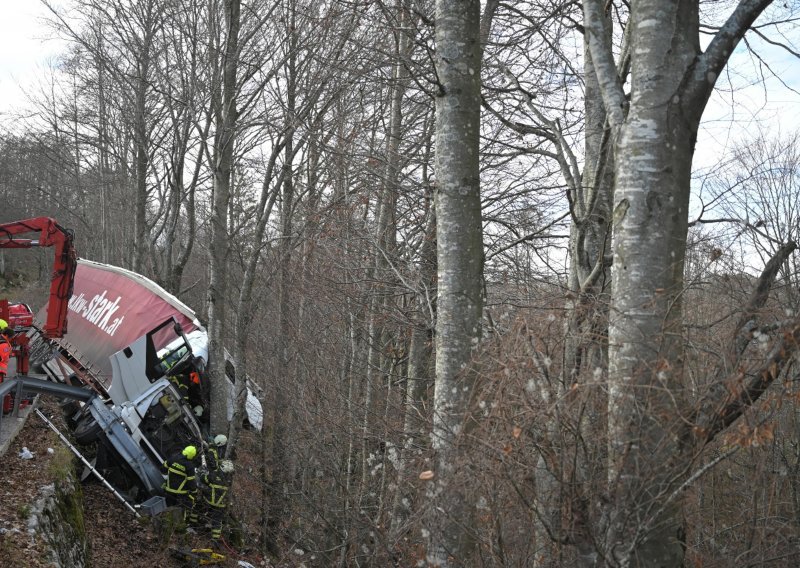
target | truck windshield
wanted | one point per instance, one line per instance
(170, 358)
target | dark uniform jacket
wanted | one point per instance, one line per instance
(215, 456)
(180, 475)
(217, 484)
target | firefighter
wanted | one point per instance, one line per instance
(181, 385)
(181, 484)
(216, 484)
(5, 348)
(196, 397)
(217, 449)
(188, 385)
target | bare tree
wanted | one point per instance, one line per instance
(225, 114)
(654, 132)
(460, 266)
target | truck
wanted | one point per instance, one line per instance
(133, 345)
(129, 370)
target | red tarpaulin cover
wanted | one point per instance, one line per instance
(112, 307)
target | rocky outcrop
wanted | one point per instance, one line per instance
(55, 524)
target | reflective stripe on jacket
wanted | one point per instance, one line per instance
(214, 455)
(180, 477)
(218, 485)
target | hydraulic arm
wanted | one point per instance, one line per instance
(51, 234)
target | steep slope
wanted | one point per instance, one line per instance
(113, 536)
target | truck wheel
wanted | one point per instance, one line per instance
(87, 430)
(69, 408)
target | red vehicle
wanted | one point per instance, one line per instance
(51, 234)
(141, 415)
(117, 369)
(20, 316)
(121, 320)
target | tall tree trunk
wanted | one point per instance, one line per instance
(654, 147)
(378, 336)
(460, 268)
(244, 312)
(142, 163)
(142, 141)
(418, 382)
(586, 314)
(223, 165)
(103, 143)
(281, 465)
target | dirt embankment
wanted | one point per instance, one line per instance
(114, 536)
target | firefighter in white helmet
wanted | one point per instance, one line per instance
(216, 487)
(217, 449)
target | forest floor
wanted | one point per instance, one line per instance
(115, 537)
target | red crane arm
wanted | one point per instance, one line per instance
(51, 234)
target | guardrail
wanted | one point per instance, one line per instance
(22, 386)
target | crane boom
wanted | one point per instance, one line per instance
(51, 234)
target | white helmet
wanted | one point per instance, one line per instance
(226, 466)
(220, 440)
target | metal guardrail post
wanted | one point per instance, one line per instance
(17, 399)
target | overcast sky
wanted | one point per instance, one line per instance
(26, 50)
(759, 97)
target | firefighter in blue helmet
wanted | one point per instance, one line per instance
(181, 483)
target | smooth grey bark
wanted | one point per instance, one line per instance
(654, 142)
(270, 189)
(590, 232)
(141, 138)
(352, 360)
(460, 269)
(103, 149)
(418, 380)
(224, 141)
(589, 286)
(346, 498)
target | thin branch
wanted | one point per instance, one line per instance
(738, 402)
(603, 59)
(704, 74)
(528, 237)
